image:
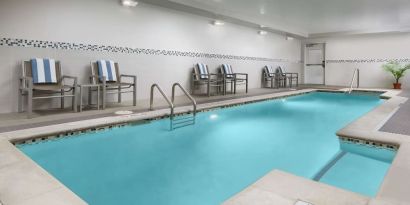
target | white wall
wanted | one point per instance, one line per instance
(370, 52)
(105, 22)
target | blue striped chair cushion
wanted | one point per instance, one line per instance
(106, 68)
(43, 70)
(227, 69)
(269, 70)
(202, 70)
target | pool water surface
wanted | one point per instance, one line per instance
(223, 153)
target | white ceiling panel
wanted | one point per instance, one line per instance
(313, 17)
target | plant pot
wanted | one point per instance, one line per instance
(397, 86)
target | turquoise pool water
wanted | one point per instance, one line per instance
(223, 153)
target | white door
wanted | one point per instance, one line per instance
(314, 64)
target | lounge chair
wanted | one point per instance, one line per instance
(271, 79)
(201, 76)
(107, 73)
(43, 79)
(233, 79)
(289, 77)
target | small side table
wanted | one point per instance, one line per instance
(90, 86)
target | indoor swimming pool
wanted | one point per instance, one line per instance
(226, 150)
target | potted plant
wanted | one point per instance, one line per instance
(397, 70)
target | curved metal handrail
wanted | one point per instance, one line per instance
(186, 94)
(356, 72)
(151, 105)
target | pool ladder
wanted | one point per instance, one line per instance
(175, 122)
(355, 75)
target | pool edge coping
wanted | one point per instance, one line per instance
(365, 128)
(7, 138)
(45, 186)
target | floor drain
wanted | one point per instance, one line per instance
(299, 202)
(123, 112)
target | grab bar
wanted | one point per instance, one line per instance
(355, 73)
(172, 106)
(151, 106)
(186, 94)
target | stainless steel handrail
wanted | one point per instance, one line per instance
(355, 73)
(151, 105)
(186, 94)
(171, 102)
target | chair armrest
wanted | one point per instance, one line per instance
(274, 75)
(128, 76)
(133, 77)
(26, 82)
(292, 74)
(70, 77)
(241, 73)
(200, 75)
(215, 74)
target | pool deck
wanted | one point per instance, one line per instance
(399, 122)
(18, 121)
(22, 181)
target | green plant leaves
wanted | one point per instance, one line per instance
(396, 69)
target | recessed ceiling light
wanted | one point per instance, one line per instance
(218, 23)
(129, 3)
(262, 32)
(289, 38)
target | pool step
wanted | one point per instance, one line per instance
(183, 121)
(329, 165)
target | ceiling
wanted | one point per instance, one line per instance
(308, 18)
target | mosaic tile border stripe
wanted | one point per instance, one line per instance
(74, 133)
(369, 143)
(13, 42)
(378, 60)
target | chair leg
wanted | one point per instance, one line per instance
(227, 84)
(246, 85)
(30, 104)
(119, 94)
(208, 88)
(20, 101)
(134, 95)
(62, 99)
(104, 96)
(89, 96)
(98, 97)
(81, 97)
(74, 100)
